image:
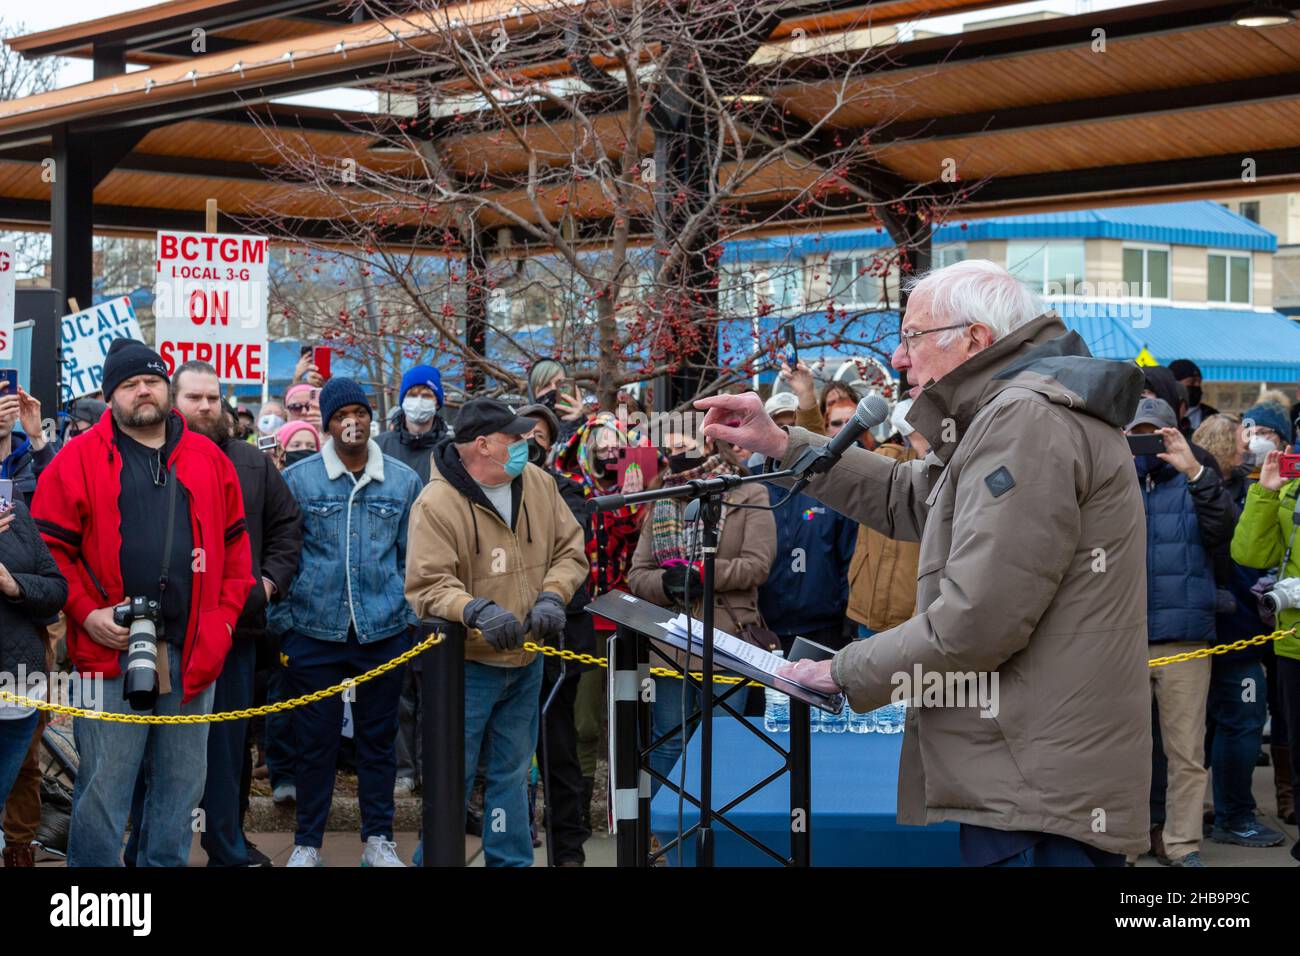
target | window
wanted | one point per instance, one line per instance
(1146, 272)
(852, 284)
(1250, 210)
(1228, 278)
(1050, 268)
(766, 289)
(949, 253)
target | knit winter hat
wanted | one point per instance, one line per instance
(287, 432)
(422, 375)
(337, 393)
(128, 358)
(1271, 416)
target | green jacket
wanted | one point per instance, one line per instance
(1260, 541)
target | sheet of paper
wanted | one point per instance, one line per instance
(728, 644)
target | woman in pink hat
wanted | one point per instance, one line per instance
(296, 441)
(302, 401)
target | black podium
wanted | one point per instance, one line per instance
(630, 697)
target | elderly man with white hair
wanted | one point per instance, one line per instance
(1031, 580)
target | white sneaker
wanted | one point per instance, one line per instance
(403, 787)
(380, 852)
(284, 794)
(305, 856)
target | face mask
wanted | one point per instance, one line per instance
(269, 423)
(1259, 449)
(603, 467)
(679, 463)
(1193, 395)
(297, 455)
(1146, 464)
(516, 460)
(419, 410)
(536, 453)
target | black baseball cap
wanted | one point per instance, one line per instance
(487, 416)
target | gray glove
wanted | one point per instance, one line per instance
(547, 619)
(500, 628)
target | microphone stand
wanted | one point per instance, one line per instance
(709, 492)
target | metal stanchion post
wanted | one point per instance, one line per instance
(800, 783)
(625, 688)
(442, 767)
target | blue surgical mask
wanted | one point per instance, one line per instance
(514, 465)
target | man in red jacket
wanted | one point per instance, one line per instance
(104, 511)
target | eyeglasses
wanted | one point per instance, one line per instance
(904, 338)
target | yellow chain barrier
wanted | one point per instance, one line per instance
(246, 712)
(438, 638)
(1240, 645)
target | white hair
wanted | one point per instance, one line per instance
(976, 290)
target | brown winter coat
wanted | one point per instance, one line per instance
(1032, 566)
(458, 549)
(882, 574)
(746, 549)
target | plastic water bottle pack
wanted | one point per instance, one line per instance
(776, 710)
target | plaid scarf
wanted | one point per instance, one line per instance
(672, 540)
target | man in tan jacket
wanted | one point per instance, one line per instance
(492, 544)
(1032, 571)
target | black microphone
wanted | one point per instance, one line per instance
(871, 411)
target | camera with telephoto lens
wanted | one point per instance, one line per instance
(1285, 594)
(142, 615)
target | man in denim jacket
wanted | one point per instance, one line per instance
(344, 614)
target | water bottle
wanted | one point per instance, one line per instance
(836, 723)
(776, 709)
(891, 717)
(860, 723)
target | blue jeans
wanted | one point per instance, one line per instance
(502, 712)
(1235, 733)
(666, 713)
(223, 840)
(280, 747)
(15, 741)
(176, 758)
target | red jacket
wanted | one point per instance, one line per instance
(76, 509)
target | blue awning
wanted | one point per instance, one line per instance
(1229, 345)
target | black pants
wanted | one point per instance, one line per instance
(558, 761)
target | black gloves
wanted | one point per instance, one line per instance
(675, 583)
(546, 619)
(500, 628)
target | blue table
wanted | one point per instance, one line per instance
(854, 796)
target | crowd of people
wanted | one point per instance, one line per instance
(285, 548)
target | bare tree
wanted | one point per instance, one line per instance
(20, 77)
(574, 172)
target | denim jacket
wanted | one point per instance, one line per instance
(352, 570)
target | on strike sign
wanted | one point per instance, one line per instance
(85, 339)
(8, 265)
(210, 303)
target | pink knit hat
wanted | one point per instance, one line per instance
(302, 387)
(287, 431)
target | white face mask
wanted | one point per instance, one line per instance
(419, 410)
(269, 423)
(1259, 449)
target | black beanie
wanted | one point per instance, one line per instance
(127, 358)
